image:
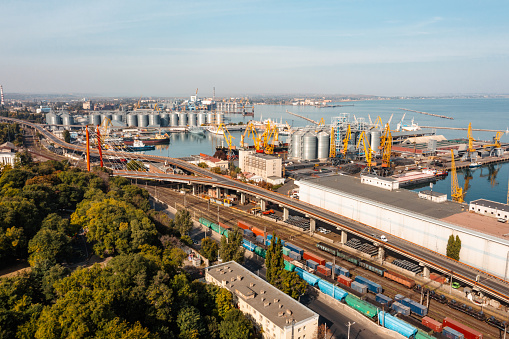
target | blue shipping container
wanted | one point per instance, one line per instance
(260, 239)
(400, 308)
(312, 264)
(361, 288)
(399, 297)
(294, 255)
(415, 307)
(339, 270)
(388, 321)
(452, 333)
(248, 233)
(294, 248)
(372, 286)
(383, 299)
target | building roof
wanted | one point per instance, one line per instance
(401, 198)
(8, 145)
(490, 204)
(259, 294)
(432, 193)
(388, 179)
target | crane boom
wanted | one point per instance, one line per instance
(456, 190)
(346, 140)
(386, 147)
(368, 152)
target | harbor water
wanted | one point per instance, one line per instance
(488, 182)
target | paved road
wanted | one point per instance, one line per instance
(489, 284)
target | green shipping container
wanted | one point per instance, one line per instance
(289, 267)
(422, 335)
(224, 232)
(215, 227)
(205, 222)
(361, 306)
(286, 251)
(260, 251)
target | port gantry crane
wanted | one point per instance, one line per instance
(346, 140)
(386, 147)
(368, 152)
(456, 190)
(470, 140)
(332, 149)
(228, 137)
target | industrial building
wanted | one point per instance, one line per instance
(271, 310)
(8, 153)
(403, 214)
(490, 208)
(266, 166)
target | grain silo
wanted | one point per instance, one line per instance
(67, 120)
(182, 119)
(309, 146)
(154, 120)
(219, 118)
(132, 120)
(297, 144)
(192, 119)
(174, 119)
(202, 119)
(94, 119)
(142, 120)
(375, 141)
(323, 145)
(164, 119)
(210, 118)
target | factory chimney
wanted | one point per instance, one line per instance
(1, 96)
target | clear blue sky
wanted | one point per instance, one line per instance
(170, 48)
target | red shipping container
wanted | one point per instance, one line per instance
(399, 278)
(287, 258)
(468, 332)
(344, 280)
(432, 323)
(258, 231)
(324, 270)
(438, 278)
(243, 225)
(223, 226)
(310, 256)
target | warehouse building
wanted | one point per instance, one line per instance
(274, 312)
(266, 166)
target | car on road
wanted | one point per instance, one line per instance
(383, 238)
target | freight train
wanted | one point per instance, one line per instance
(305, 264)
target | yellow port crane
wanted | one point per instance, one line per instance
(228, 137)
(456, 190)
(496, 140)
(346, 140)
(378, 123)
(386, 147)
(368, 152)
(470, 139)
(332, 149)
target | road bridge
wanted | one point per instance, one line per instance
(486, 282)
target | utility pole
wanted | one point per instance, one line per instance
(349, 324)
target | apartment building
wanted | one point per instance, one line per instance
(271, 310)
(266, 166)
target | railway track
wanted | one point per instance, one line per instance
(200, 208)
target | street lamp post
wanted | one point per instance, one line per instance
(349, 324)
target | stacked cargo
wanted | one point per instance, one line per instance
(468, 332)
(243, 225)
(286, 251)
(294, 248)
(451, 333)
(324, 270)
(399, 297)
(289, 266)
(400, 308)
(357, 286)
(422, 335)
(248, 245)
(415, 307)
(260, 251)
(388, 321)
(399, 278)
(294, 255)
(315, 258)
(344, 280)
(312, 264)
(438, 278)
(260, 239)
(205, 222)
(372, 286)
(338, 269)
(297, 263)
(347, 257)
(432, 323)
(223, 226)
(258, 231)
(383, 299)
(248, 233)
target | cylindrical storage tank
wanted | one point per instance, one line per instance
(154, 119)
(117, 117)
(202, 119)
(210, 118)
(67, 120)
(164, 119)
(107, 115)
(192, 119)
(132, 120)
(219, 118)
(94, 119)
(375, 141)
(142, 120)
(49, 118)
(296, 144)
(174, 119)
(323, 145)
(309, 146)
(182, 119)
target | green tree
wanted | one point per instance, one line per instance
(67, 136)
(450, 247)
(190, 323)
(231, 247)
(224, 302)
(203, 165)
(48, 246)
(274, 260)
(183, 221)
(291, 284)
(23, 159)
(135, 165)
(235, 325)
(457, 248)
(209, 249)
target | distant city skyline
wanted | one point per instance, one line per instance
(170, 48)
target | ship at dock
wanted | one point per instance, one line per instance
(158, 139)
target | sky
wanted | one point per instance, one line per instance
(249, 47)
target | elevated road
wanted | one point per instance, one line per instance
(489, 284)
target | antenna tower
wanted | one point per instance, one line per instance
(1, 96)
